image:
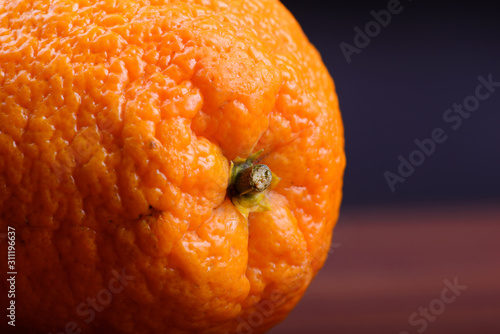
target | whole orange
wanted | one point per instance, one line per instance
(121, 123)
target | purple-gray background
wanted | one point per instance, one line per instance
(397, 89)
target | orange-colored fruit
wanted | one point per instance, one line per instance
(119, 121)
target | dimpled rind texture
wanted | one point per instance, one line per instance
(118, 123)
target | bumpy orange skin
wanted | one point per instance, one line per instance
(118, 123)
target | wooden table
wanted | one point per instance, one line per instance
(391, 262)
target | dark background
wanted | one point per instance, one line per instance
(394, 251)
(398, 88)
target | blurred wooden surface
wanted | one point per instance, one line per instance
(391, 262)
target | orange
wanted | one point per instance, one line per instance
(119, 124)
